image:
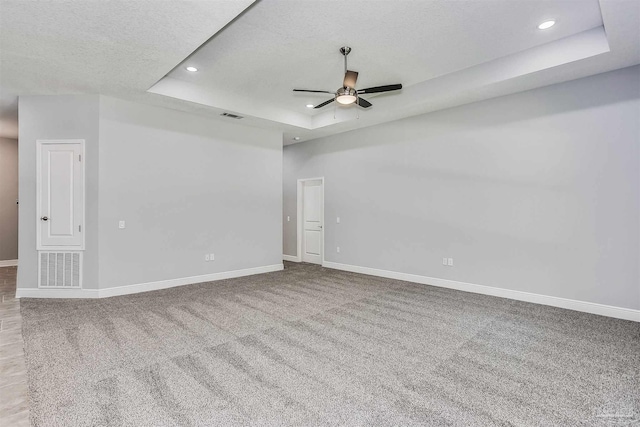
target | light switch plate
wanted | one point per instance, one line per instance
(121, 224)
(444, 261)
(338, 220)
(450, 262)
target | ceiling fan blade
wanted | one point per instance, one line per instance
(324, 103)
(364, 103)
(350, 78)
(378, 89)
(312, 91)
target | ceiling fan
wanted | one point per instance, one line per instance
(348, 94)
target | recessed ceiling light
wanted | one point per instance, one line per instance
(296, 138)
(192, 69)
(309, 105)
(546, 24)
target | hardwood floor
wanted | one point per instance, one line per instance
(14, 401)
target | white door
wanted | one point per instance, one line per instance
(60, 182)
(312, 210)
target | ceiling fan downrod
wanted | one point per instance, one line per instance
(345, 50)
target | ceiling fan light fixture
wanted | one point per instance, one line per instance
(346, 96)
(346, 99)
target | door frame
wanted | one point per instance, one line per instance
(39, 144)
(300, 219)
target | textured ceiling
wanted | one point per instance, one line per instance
(250, 56)
(445, 53)
(118, 48)
(282, 44)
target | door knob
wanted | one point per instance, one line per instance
(320, 226)
(44, 218)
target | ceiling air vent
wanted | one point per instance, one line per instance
(233, 116)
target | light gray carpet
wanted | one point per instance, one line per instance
(310, 346)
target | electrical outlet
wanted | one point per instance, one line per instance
(288, 218)
(338, 249)
(121, 224)
(450, 262)
(206, 257)
(444, 261)
(338, 220)
(212, 257)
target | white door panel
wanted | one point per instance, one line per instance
(312, 214)
(60, 177)
(312, 203)
(312, 238)
(60, 194)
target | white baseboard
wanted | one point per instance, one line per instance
(142, 287)
(163, 284)
(587, 307)
(291, 258)
(56, 293)
(9, 263)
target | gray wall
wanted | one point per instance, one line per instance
(8, 197)
(186, 185)
(56, 117)
(536, 192)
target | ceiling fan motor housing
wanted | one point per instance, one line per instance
(346, 91)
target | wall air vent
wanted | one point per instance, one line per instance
(60, 270)
(233, 116)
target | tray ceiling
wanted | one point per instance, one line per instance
(250, 55)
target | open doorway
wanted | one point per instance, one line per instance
(8, 202)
